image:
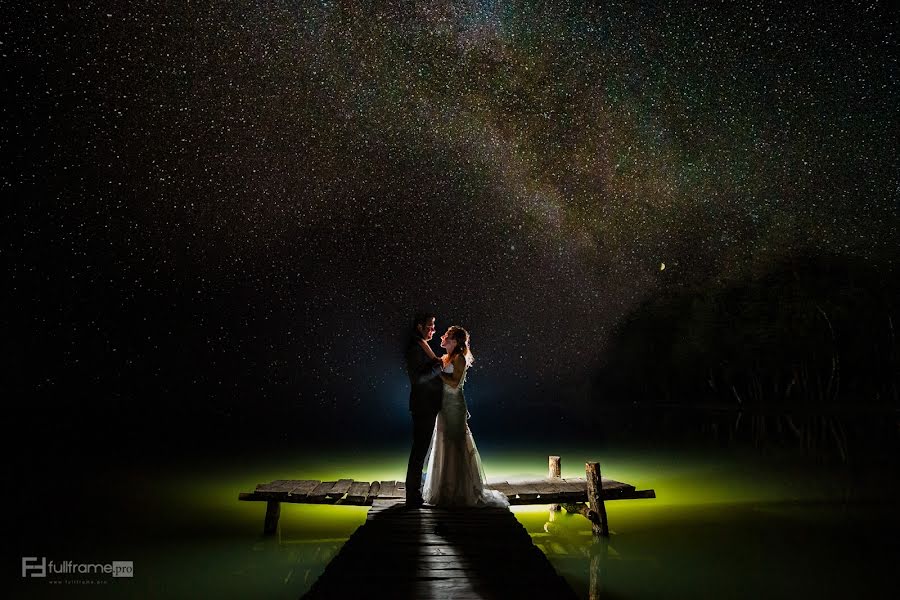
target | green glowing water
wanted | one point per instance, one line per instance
(721, 526)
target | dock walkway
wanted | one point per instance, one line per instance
(435, 552)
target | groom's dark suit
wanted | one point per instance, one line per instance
(424, 404)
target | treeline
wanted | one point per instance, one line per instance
(804, 354)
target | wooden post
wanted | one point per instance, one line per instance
(555, 467)
(595, 498)
(273, 511)
(555, 473)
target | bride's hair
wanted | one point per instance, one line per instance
(463, 345)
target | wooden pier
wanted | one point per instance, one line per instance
(572, 492)
(437, 552)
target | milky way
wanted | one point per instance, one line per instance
(267, 192)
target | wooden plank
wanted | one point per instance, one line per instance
(340, 488)
(319, 493)
(428, 513)
(568, 484)
(574, 484)
(279, 485)
(549, 490)
(610, 487)
(358, 492)
(373, 491)
(547, 486)
(430, 522)
(503, 487)
(389, 490)
(280, 489)
(526, 490)
(581, 482)
(614, 483)
(273, 489)
(437, 536)
(384, 503)
(634, 495)
(302, 488)
(456, 589)
(616, 486)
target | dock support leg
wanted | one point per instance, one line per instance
(600, 526)
(555, 473)
(273, 511)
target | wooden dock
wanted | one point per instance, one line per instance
(573, 491)
(434, 552)
(438, 552)
(362, 493)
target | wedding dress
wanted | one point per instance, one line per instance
(454, 475)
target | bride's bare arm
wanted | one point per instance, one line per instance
(459, 367)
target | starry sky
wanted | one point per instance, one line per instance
(227, 208)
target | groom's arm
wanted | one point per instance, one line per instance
(419, 367)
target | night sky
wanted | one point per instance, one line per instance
(227, 211)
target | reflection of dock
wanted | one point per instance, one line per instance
(438, 552)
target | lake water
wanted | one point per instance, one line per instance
(723, 524)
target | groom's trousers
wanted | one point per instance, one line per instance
(423, 428)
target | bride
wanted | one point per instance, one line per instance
(454, 474)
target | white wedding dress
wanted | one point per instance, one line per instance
(454, 476)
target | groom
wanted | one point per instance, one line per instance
(424, 401)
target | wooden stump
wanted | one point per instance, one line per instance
(555, 467)
(595, 499)
(273, 512)
(555, 473)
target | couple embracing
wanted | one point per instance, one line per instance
(442, 442)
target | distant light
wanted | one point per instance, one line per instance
(662, 266)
